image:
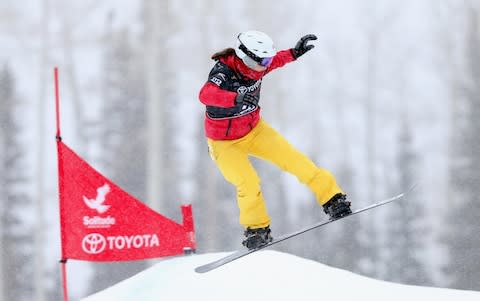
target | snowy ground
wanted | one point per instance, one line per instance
(265, 275)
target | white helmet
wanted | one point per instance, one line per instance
(255, 45)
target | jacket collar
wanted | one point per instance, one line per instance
(236, 64)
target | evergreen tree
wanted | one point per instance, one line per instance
(122, 139)
(462, 236)
(345, 246)
(405, 230)
(215, 206)
(15, 235)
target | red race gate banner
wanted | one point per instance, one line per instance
(101, 222)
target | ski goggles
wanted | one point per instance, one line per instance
(251, 63)
(266, 61)
(252, 59)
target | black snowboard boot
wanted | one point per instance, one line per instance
(256, 238)
(337, 206)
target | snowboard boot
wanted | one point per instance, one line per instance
(337, 206)
(256, 238)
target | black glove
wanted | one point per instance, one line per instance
(247, 98)
(302, 46)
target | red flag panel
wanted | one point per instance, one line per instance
(101, 222)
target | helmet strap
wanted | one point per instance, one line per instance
(249, 53)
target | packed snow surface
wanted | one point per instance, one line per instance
(264, 275)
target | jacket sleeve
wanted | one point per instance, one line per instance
(213, 95)
(280, 59)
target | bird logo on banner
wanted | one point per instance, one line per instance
(97, 203)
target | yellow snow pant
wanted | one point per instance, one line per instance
(264, 142)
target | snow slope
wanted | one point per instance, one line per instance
(265, 275)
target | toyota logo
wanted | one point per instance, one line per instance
(242, 90)
(94, 243)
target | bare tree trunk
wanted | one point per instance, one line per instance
(2, 210)
(72, 81)
(370, 115)
(153, 34)
(381, 21)
(39, 285)
(206, 179)
(371, 239)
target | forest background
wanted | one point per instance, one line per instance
(389, 96)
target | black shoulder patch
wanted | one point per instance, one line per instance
(221, 75)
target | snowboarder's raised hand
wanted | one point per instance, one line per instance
(301, 48)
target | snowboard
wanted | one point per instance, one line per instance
(241, 253)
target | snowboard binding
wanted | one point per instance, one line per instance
(255, 238)
(337, 206)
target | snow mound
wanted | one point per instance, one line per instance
(265, 275)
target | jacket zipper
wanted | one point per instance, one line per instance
(228, 127)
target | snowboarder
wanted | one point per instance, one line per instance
(235, 130)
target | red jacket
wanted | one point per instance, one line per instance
(224, 120)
